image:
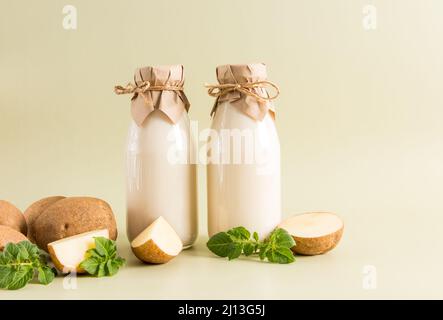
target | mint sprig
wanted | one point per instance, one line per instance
(103, 260)
(20, 263)
(237, 241)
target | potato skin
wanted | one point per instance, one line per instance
(12, 217)
(7, 235)
(72, 216)
(315, 246)
(35, 210)
(149, 252)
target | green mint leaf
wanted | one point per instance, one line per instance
(11, 251)
(235, 250)
(232, 243)
(280, 255)
(90, 265)
(112, 249)
(239, 233)
(282, 238)
(6, 276)
(3, 259)
(19, 262)
(45, 275)
(102, 246)
(101, 270)
(248, 249)
(32, 249)
(92, 253)
(102, 260)
(21, 277)
(263, 250)
(119, 262)
(220, 244)
(23, 253)
(29, 250)
(112, 267)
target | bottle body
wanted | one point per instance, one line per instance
(161, 180)
(243, 172)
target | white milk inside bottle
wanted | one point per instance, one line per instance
(243, 170)
(161, 180)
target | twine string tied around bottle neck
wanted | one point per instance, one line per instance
(144, 87)
(247, 88)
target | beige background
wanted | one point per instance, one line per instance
(359, 116)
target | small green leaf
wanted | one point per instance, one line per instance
(22, 275)
(90, 265)
(11, 251)
(111, 268)
(102, 260)
(280, 255)
(20, 262)
(92, 253)
(23, 253)
(234, 242)
(45, 275)
(248, 249)
(101, 270)
(235, 250)
(220, 244)
(102, 246)
(120, 262)
(3, 259)
(6, 276)
(263, 250)
(239, 233)
(282, 238)
(32, 249)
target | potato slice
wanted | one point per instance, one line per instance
(158, 243)
(68, 253)
(314, 232)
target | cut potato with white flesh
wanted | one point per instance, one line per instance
(68, 253)
(314, 232)
(158, 243)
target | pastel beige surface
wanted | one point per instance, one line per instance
(359, 119)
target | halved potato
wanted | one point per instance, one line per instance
(68, 253)
(158, 243)
(314, 232)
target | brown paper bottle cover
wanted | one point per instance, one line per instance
(246, 75)
(159, 87)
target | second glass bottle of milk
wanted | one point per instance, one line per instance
(161, 180)
(243, 170)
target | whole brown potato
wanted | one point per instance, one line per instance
(8, 235)
(35, 210)
(12, 217)
(72, 216)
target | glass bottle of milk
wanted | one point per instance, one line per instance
(243, 169)
(161, 180)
